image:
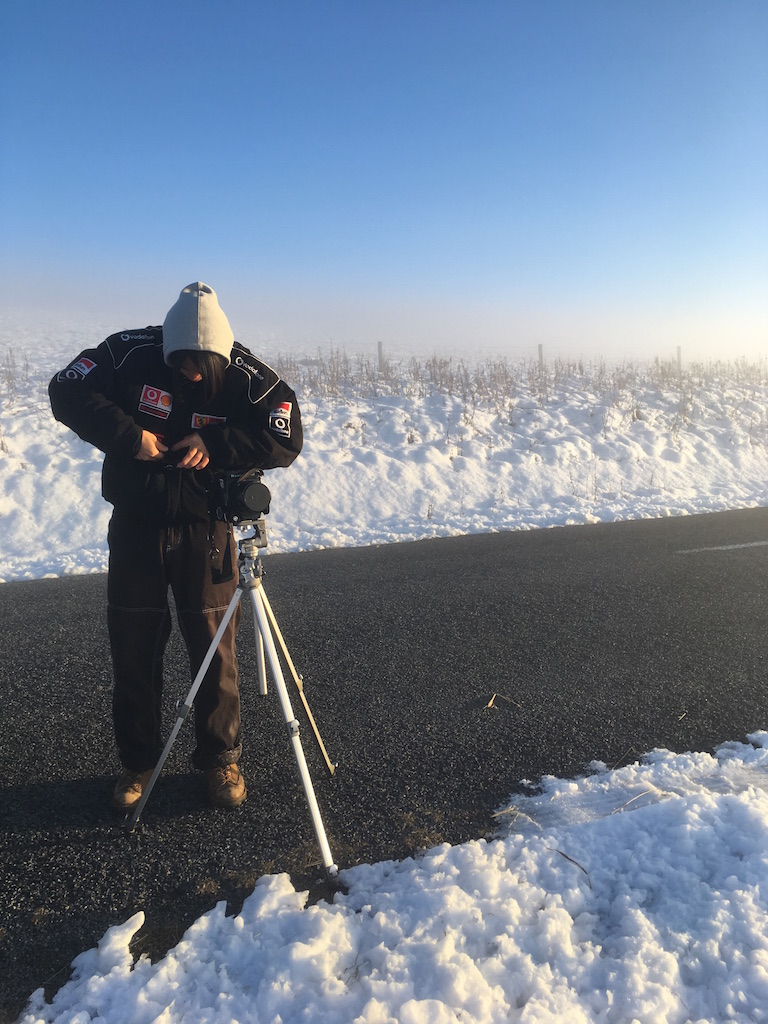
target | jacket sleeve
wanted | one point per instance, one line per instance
(264, 435)
(81, 399)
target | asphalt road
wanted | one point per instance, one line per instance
(599, 642)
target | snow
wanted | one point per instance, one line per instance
(634, 894)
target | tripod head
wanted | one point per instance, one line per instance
(249, 547)
(259, 536)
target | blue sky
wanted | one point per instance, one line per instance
(481, 174)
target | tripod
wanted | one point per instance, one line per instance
(250, 580)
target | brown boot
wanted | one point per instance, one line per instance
(129, 788)
(226, 786)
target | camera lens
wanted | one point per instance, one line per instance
(253, 497)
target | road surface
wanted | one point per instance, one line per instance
(441, 674)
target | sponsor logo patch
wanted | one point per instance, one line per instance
(248, 367)
(78, 370)
(155, 402)
(200, 419)
(280, 419)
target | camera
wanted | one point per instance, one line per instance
(239, 498)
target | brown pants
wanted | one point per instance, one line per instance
(144, 560)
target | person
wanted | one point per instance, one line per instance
(170, 407)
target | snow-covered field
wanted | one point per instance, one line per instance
(637, 894)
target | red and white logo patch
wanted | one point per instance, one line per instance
(280, 419)
(199, 419)
(78, 370)
(83, 366)
(155, 402)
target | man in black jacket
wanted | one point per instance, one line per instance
(170, 407)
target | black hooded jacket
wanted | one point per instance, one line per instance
(109, 394)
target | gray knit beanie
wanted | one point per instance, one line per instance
(196, 323)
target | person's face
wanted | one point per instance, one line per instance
(190, 371)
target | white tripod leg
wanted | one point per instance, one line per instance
(260, 664)
(260, 617)
(296, 678)
(185, 708)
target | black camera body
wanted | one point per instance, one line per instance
(239, 498)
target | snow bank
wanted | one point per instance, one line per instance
(636, 895)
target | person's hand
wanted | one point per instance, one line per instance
(197, 454)
(152, 448)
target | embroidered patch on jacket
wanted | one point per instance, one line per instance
(280, 419)
(249, 368)
(78, 370)
(200, 419)
(155, 402)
